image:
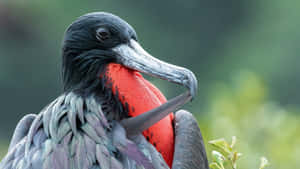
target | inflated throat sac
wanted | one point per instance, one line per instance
(139, 96)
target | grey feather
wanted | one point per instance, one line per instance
(47, 112)
(115, 164)
(57, 159)
(22, 129)
(62, 131)
(39, 138)
(34, 127)
(96, 124)
(15, 162)
(54, 123)
(60, 156)
(19, 149)
(56, 140)
(72, 121)
(128, 147)
(90, 147)
(72, 163)
(80, 156)
(67, 139)
(96, 108)
(95, 167)
(103, 156)
(21, 164)
(48, 148)
(68, 97)
(36, 161)
(91, 132)
(78, 106)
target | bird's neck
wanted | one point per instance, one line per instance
(101, 90)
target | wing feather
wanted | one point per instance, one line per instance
(22, 129)
(73, 133)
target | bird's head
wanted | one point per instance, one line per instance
(88, 47)
(98, 39)
(100, 49)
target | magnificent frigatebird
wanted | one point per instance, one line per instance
(98, 122)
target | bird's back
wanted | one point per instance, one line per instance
(73, 133)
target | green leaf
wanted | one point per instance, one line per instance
(222, 145)
(218, 158)
(214, 165)
(234, 157)
(233, 141)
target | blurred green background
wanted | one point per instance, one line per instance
(245, 54)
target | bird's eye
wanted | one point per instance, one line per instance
(103, 34)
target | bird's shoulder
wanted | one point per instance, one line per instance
(73, 132)
(69, 126)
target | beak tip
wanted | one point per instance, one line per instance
(192, 84)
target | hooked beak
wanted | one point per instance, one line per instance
(133, 56)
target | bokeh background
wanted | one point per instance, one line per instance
(245, 54)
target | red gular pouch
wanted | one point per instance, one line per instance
(140, 96)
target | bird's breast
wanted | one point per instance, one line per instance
(139, 96)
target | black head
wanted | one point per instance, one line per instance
(96, 39)
(87, 47)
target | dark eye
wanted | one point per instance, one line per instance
(103, 34)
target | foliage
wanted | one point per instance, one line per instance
(263, 127)
(228, 155)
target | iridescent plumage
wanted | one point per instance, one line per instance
(73, 132)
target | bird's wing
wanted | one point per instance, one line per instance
(21, 130)
(189, 147)
(73, 133)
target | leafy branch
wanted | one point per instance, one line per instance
(226, 153)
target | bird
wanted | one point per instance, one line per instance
(109, 116)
